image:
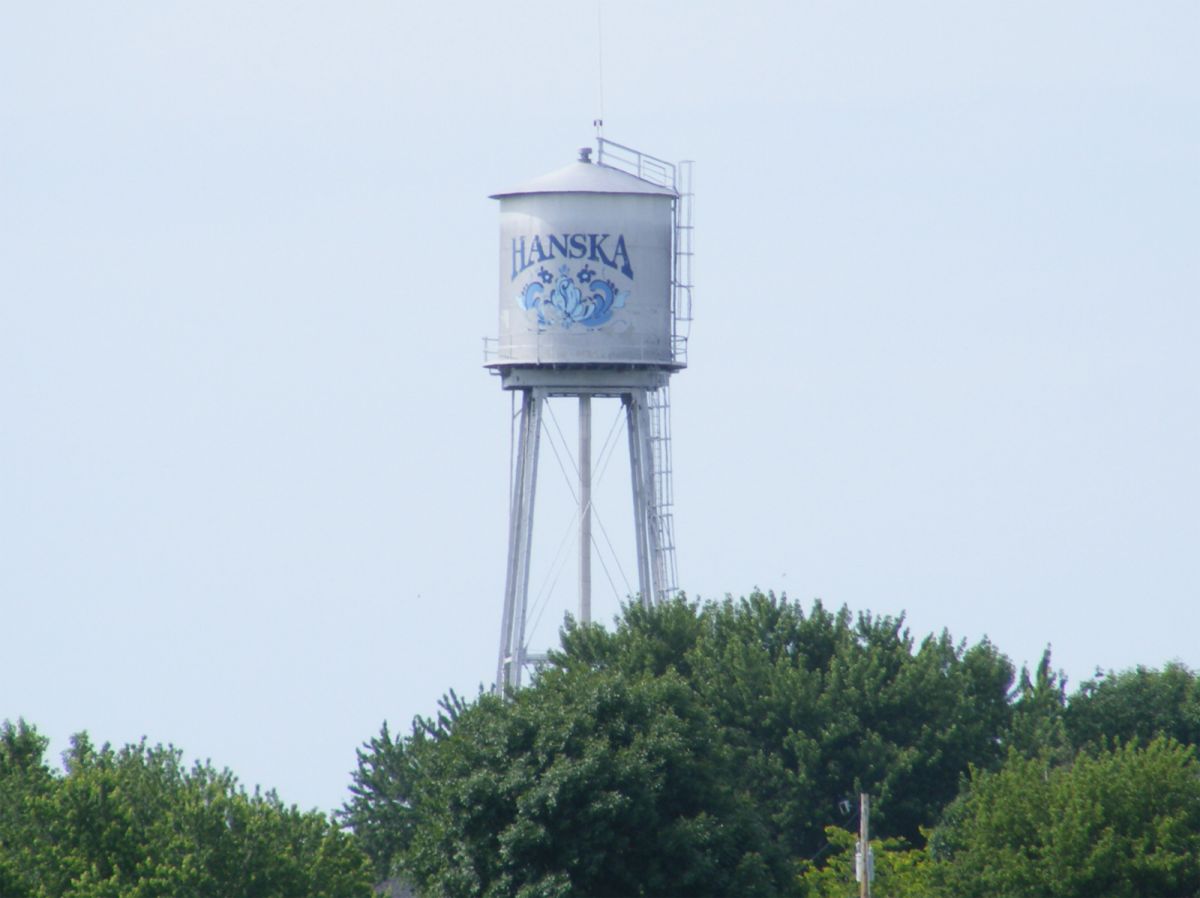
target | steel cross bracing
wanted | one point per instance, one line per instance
(649, 471)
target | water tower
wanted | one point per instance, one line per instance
(595, 302)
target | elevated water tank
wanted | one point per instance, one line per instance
(585, 270)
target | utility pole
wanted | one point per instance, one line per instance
(863, 865)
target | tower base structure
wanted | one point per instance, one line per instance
(642, 392)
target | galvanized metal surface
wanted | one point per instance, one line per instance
(585, 278)
(679, 179)
(575, 381)
(641, 165)
(585, 509)
(586, 177)
(641, 475)
(653, 584)
(595, 301)
(662, 514)
(520, 536)
(684, 253)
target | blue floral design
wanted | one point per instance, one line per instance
(584, 300)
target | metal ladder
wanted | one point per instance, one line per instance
(681, 275)
(678, 178)
(662, 517)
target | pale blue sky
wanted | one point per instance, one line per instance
(252, 475)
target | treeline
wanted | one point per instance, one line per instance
(719, 749)
(692, 749)
(137, 823)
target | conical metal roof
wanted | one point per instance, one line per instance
(587, 177)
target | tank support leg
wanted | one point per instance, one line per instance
(585, 509)
(641, 474)
(520, 541)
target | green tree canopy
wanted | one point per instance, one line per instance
(818, 707)
(1121, 821)
(25, 783)
(380, 808)
(900, 870)
(136, 822)
(1136, 704)
(1039, 706)
(694, 749)
(587, 784)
